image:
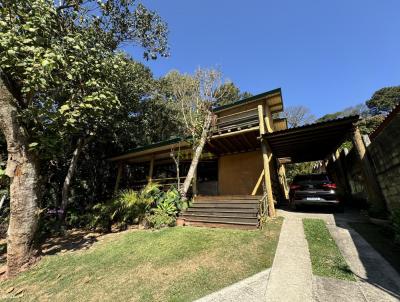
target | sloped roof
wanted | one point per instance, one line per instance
(311, 142)
(251, 99)
(395, 111)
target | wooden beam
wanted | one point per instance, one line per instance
(230, 144)
(220, 146)
(246, 140)
(259, 181)
(235, 132)
(151, 168)
(266, 154)
(371, 185)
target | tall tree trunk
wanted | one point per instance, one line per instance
(22, 168)
(70, 174)
(196, 156)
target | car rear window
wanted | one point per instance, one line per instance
(319, 177)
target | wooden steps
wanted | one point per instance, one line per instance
(224, 211)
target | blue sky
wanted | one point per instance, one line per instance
(326, 55)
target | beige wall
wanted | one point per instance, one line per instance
(238, 173)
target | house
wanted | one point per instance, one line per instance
(242, 165)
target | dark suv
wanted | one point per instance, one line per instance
(312, 189)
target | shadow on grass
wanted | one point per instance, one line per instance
(71, 241)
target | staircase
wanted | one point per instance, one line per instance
(224, 211)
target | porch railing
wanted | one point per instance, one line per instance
(235, 121)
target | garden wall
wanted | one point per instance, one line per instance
(384, 152)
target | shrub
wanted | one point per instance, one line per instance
(158, 219)
(126, 208)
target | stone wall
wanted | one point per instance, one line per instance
(384, 152)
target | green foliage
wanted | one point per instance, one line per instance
(297, 169)
(395, 219)
(228, 93)
(383, 100)
(369, 124)
(360, 109)
(127, 207)
(160, 218)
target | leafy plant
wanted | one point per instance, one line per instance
(128, 207)
(168, 207)
(159, 218)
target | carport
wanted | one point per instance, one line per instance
(321, 141)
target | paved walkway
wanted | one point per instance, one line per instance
(291, 279)
(291, 275)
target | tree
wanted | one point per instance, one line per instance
(360, 109)
(195, 95)
(369, 124)
(383, 100)
(297, 116)
(229, 93)
(58, 72)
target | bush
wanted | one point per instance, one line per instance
(158, 219)
(127, 208)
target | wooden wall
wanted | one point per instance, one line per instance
(238, 173)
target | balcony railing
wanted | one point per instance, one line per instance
(236, 121)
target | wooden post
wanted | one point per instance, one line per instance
(267, 154)
(259, 181)
(151, 168)
(375, 197)
(341, 174)
(119, 174)
(282, 180)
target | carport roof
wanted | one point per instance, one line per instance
(311, 142)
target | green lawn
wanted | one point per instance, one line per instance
(173, 264)
(326, 259)
(382, 239)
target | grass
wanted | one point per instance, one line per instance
(326, 259)
(173, 264)
(382, 239)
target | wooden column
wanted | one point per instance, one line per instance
(151, 168)
(267, 154)
(119, 174)
(282, 180)
(371, 185)
(341, 174)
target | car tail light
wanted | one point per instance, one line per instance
(294, 187)
(329, 186)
